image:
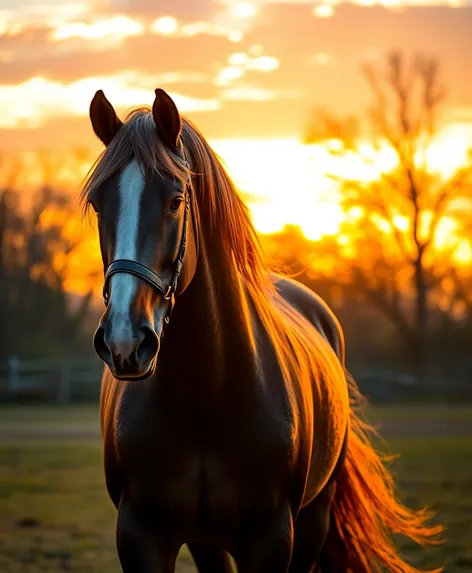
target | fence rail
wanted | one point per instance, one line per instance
(64, 380)
(61, 380)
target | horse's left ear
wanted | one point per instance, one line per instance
(167, 118)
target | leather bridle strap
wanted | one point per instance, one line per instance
(146, 274)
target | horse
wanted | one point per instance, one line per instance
(228, 417)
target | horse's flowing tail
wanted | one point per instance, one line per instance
(366, 513)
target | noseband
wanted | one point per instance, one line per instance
(167, 290)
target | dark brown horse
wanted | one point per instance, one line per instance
(226, 423)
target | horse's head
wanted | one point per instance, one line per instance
(141, 192)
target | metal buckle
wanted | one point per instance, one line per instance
(168, 293)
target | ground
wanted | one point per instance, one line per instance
(55, 514)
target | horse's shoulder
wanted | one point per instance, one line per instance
(314, 309)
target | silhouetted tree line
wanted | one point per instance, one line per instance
(396, 261)
(374, 344)
(392, 275)
(36, 315)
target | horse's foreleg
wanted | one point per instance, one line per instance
(267, 547)
(209, 559)
(140, 550)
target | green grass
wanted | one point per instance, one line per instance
(15, 415)
(397, 413)
(59, 484)
(87, 413)
(56, 418)
(438, 473)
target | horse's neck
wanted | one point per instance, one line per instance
(212, 326)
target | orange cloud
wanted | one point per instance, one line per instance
(39, 100)
(115, 29)
(252, 93)
(47, 14)
(50, 63)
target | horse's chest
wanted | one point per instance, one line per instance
(204, 478)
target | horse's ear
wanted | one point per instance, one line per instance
(104, 120)
(167, 118)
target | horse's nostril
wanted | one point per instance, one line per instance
(148, 347)
(99, 343)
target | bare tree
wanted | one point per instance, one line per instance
(397, 253)
(33, 266)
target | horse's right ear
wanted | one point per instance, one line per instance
(104, 120)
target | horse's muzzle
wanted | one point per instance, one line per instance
(129, 354)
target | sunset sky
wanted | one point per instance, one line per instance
(247, 72)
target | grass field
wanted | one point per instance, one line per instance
(55, 514)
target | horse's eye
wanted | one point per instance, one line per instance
(175, 205)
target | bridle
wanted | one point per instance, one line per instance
(137, 269)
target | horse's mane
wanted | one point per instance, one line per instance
(221, 209)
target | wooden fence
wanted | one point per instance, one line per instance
(65, 380)
(62, 380)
